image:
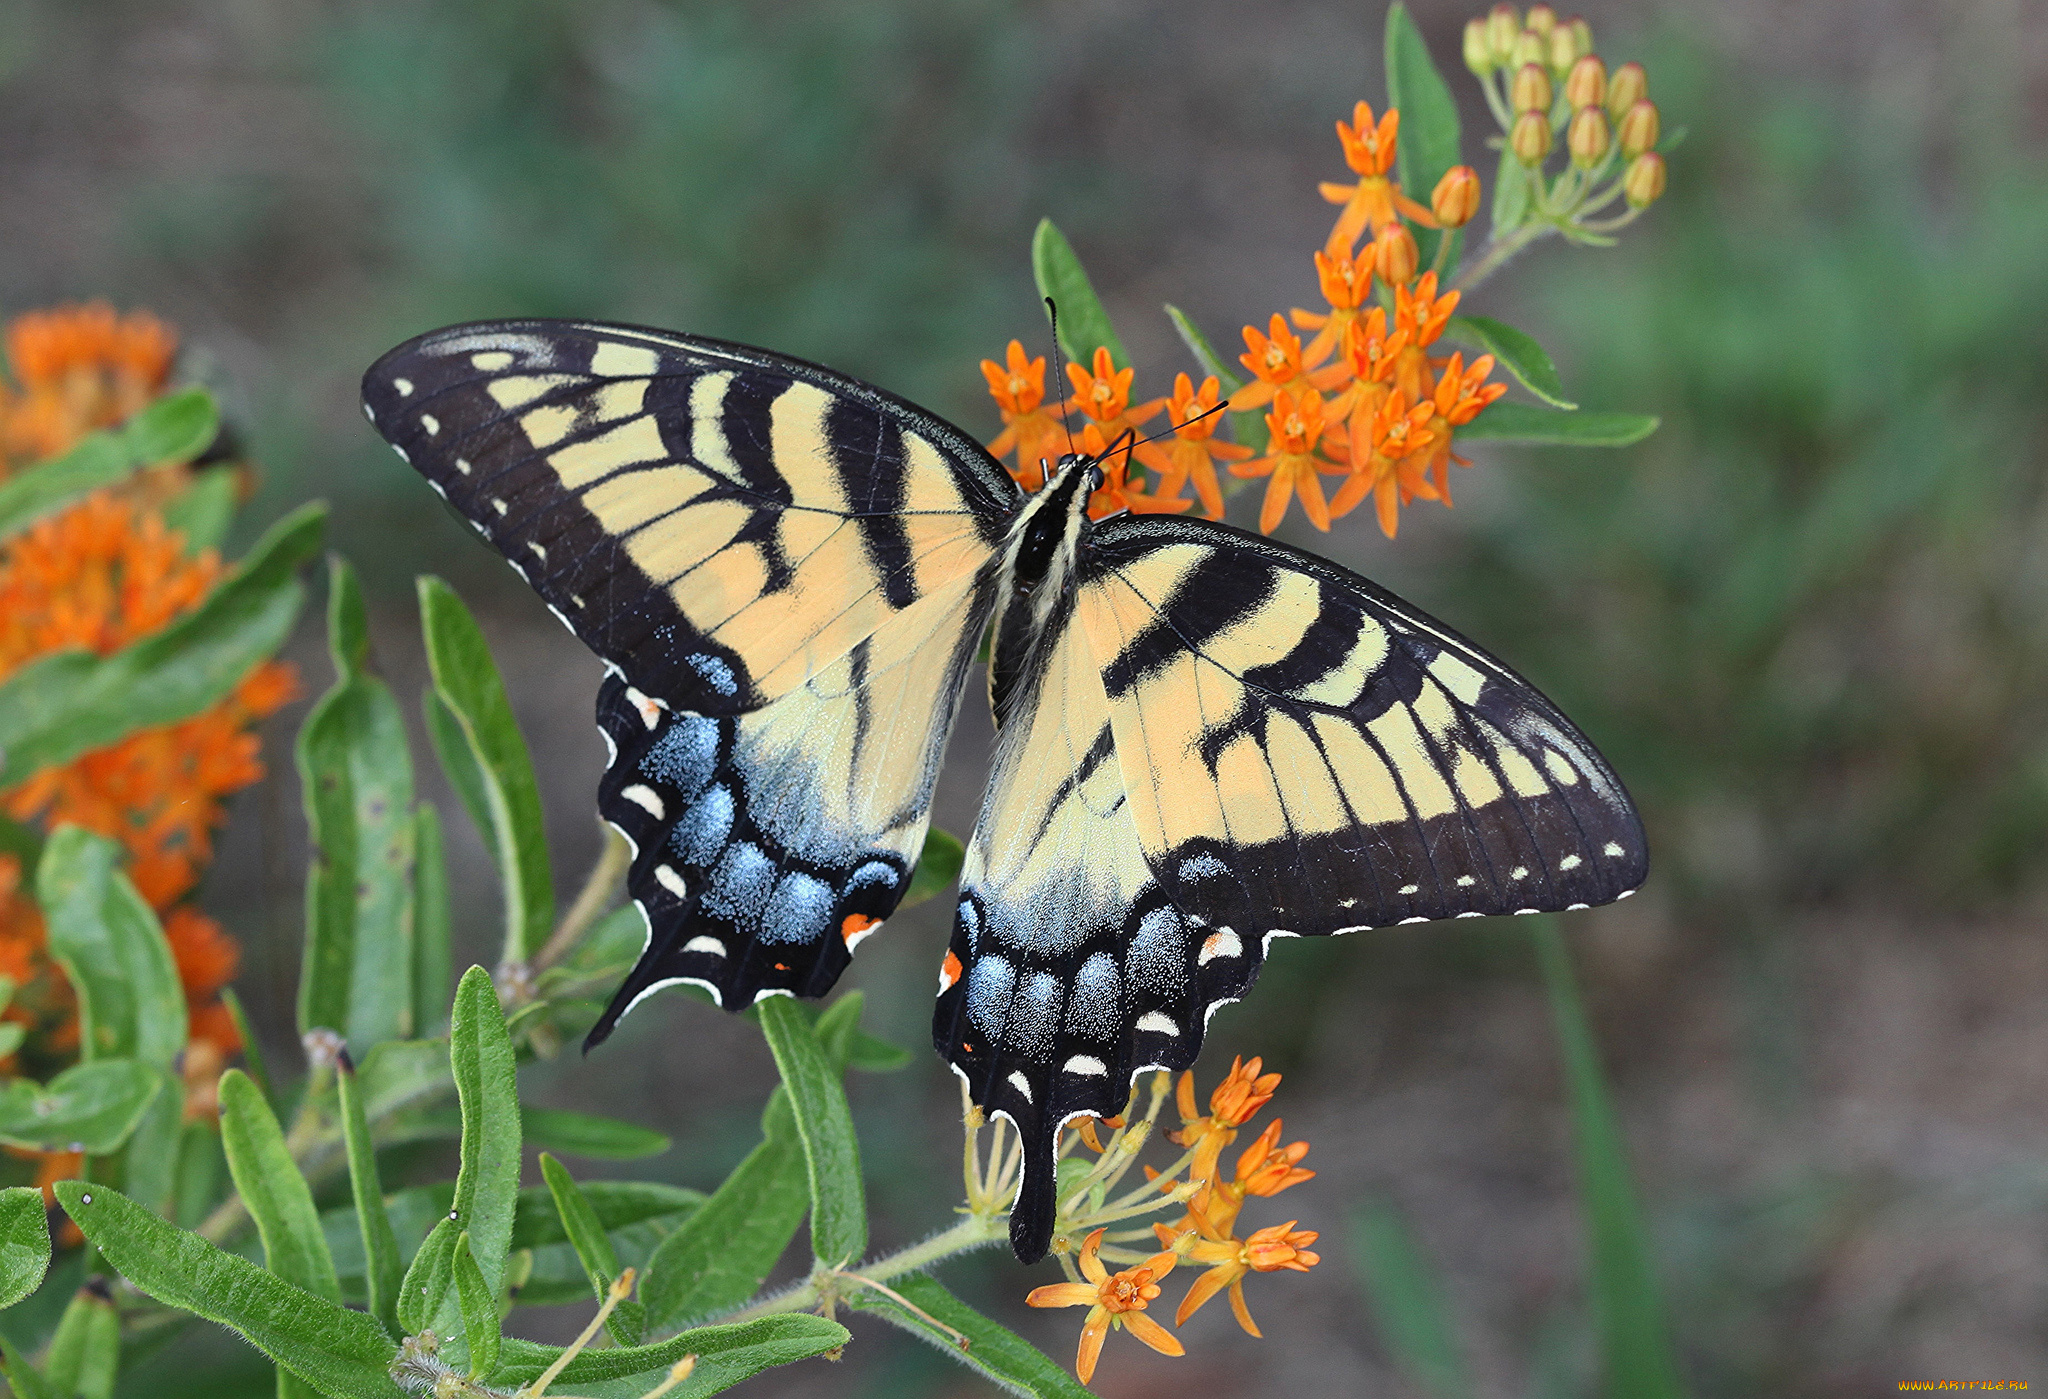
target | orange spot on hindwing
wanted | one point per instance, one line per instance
(856, 926)
(949, 972)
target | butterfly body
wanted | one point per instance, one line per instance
(1205, 740)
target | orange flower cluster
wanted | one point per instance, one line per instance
(1364, 399)
(77, 369)
(98, 576)
(1206, 1235)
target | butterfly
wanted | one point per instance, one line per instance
(1206, 739)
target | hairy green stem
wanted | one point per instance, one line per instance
(972, 1232)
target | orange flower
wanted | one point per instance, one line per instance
(1233, 1260)
(1383, 460)
(77, 368)
(1264, 1168)
(1019, 390)
(1114, 1300)
(1375, 200)
(1422, 314)
(1296, 426)
(1104, 394)
(1278, 362)
(1193, 450)
(1346, 283)
(1369, 355)
(1460, 395)
(1241, 1094)
(1116, 494)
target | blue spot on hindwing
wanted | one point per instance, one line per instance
(686, 754)
(704, 828)
(1034, 1014)
(738, 887)
(988, 994)
(799, 910)
(1158, 955)
(872, 875)
(1091, 1008)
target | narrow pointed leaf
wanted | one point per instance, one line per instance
(466, 680)
(459, 766)
(150, 1165)
(1249, 427)
(75, 701)
(586, 1134)
(130, 1001)
(356, 775)
(205, 509)
(993, 1351)
(382, 1270)
(342, 1353)
(1528, 423)
(479, 1302)
(401, 1074)
(1428, 145)
(1628, 1307)
(937, 867)
(1083, 323)
(24, 1242)
(617, 1204)
(270, 1184)
(252, 1047)
(719, 1256)
(85, 1353)
(26, 1381)
(628, 1321)
(433, 957)
(824, 1122)
(173, 429)
(1518, 353)
(487, 1186)
(725, 1354)
(427, 1279)
(1408, 1303)
(89, 1107)
(202, 1168)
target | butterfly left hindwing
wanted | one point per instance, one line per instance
(1223, 741)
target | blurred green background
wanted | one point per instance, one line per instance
(1806, 620)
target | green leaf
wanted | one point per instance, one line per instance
(270, 1184)
(593, 1248)
(585, 1134)
(400, 1074)
(466, 681)
(150, 1164)
(24, 1242)
(1083, 324)
(937, 867)
(204, 510)
(993, 1351)
(725, 1354)
(202, 1166)
(1510, 194)
(252, 1047)
(343, 1353)
(1548, 427)
(356, 775)
(824, 1122)
(382, 1272)
(427, 1279)
(1249, 427)
(1429, 142)
(85, 1353)
(1519, 354)
(173, 429)
(130, 1001)
(487, 1185)
(479, 1311)
(89, 1107)
(26, 1381)
(24, 843)
(616, 1203)
(1628, 1308)
(1408, 1302)
(719, 1256)
(74, 701)
(433, 958)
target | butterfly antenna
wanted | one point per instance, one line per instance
(1205, 413)
(1052, 311)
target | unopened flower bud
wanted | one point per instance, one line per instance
(1456, 198)
(1530, 91)
(1540, 20)
(1586, 85)
(1478, 50)
(1530, 139)
(1564, 50)
(1588, 138)
(1644, 181)
(1626, 86)
(1639, 129)
(1582, 33)
(1395, 256)
(1530, 47)
(1502, 25)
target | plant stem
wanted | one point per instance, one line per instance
(1499, 251)
(591, 899)
(974, 1231)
